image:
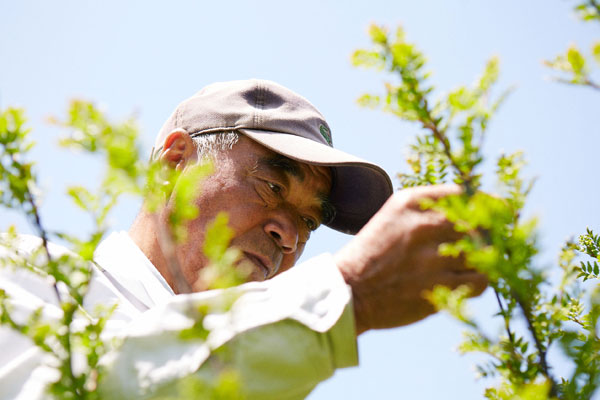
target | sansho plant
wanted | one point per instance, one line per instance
(536, 312)
(70, 334)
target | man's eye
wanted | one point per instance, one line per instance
(310, 223)
(275, 188)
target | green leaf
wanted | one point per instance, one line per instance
(576, 60)
(596, 52)
(83, 198)
(378, 34)
(369, 100)
(461, 99)
(217, 238)
(490, 74)
(368, 59)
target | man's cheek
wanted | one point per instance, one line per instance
(288, 261)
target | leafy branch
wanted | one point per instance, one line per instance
(573, 64)
(70, 275)
(71, 272)
(497, 241)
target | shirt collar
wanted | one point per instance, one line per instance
(136, 277)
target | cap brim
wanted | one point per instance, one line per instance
(359, 187)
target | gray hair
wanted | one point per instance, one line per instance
(211, 144)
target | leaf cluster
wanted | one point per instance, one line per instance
(497, 241)
(464, 112)
(573, 65)
(69, 331)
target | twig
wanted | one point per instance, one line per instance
(583, 325)
(590, 83)
(68, 316)
(37, 223)
(538, 344)
(446, 145)
(511, 337)
(594, 4)
(586, 82)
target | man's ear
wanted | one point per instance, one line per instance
(178, 149)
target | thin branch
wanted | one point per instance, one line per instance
(538, 344)
(586, 82)
(511, 337)
(446, 144)
(590, 83)
(37, 223)
(68, 317)
(594, 4)
(585, 326)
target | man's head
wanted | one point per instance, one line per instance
(277, 175)
(273, 203)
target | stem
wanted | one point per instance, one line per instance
(37, 223)
(584, 326)
(511, 337)
(594, 4)
(68, 316)
(586, 82)
(446, 144)
(590, 83)
(538, 344)
(68, 319)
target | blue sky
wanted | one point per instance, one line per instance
(142, 57)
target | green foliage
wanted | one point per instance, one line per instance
(70, 275)
(497, 240)
(573, 65)
(465, 110)
(185, 192)
(588, 10)
(589, 244)
(218, 274)
(76, 332)
(15, 172)
(224, 386)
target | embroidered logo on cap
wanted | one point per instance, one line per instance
(326, 134)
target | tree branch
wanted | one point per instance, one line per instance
(37, 223)
(511, 337)
(594, 4)
(467, 180)
(538, 344)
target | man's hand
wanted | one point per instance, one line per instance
(394, 259)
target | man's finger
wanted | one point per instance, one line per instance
(434, 226)
(476, 281)
(417, 194)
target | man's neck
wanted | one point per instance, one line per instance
(143, 232)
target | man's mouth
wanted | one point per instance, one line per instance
(261, 262)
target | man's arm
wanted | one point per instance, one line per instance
(282, 337)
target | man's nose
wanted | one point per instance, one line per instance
(284, 232)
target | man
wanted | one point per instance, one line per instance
(278, 178)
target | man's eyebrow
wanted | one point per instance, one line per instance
(285, 164)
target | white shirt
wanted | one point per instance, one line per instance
(282, 336)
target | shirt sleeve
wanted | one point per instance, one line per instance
(279, 338)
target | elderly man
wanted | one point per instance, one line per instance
(278, 178)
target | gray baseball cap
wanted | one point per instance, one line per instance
(290, 125)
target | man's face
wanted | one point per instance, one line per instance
(273, 204)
